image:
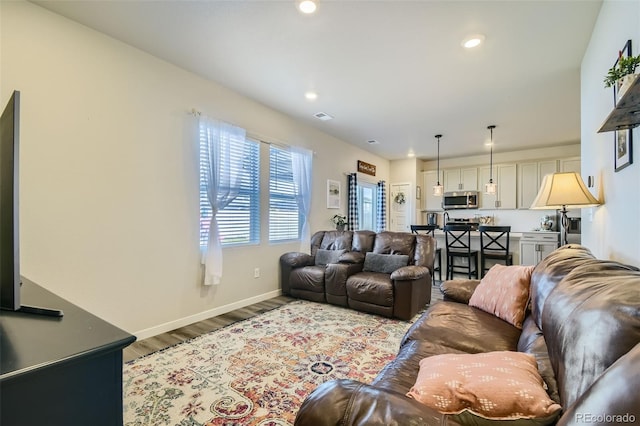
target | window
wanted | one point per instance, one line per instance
(239, 221)
(284, 217)
(367, 205)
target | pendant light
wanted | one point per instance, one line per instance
(490, 188)
(438, 189)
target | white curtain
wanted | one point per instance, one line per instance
(223, 184)
(301, 162)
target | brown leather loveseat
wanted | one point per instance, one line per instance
(386, 273)
(583, 327)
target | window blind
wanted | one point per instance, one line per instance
(238, 222)
(284, 218)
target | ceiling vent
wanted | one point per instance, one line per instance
(372, 142)
(322, 116)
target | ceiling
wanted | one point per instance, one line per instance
(390, 71)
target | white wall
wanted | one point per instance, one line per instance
(109, 175)
(614, 231)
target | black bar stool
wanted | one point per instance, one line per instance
(494, 244)
(458, 241)
(430, 230)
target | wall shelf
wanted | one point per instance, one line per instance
(626, 114)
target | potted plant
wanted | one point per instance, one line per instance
(340, 222)
(622, 73)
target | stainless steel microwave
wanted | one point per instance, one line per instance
(460, 200)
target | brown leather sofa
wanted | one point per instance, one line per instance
(386, 273)
(583, 328)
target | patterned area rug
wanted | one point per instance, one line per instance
(258, 371)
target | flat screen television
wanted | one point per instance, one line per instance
(10, 279)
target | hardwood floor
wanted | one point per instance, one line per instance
(165, 340)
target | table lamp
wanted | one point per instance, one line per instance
(562, 190)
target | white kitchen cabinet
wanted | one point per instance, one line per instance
(530, 177)
(429, 180)
(504, 176)
(535, 246)
(463, 179)
(570, 165)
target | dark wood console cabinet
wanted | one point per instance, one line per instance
(59, 371)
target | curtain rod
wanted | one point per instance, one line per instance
(253, 135)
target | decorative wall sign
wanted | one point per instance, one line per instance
(366, 168)
(333, 194)
(623, 149)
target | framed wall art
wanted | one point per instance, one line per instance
(623, 155)
(333, 194)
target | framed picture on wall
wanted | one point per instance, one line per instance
(333, 194)
(623, 155)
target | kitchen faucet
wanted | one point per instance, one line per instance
(445, 217)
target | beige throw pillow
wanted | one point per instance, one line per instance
(504, 292)
(499, 385)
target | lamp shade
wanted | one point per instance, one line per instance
(560, 190)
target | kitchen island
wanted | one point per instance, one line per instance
(528, 247)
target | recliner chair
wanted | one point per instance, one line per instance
(303, 275)
(395, 280)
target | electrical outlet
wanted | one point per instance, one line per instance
(256, 273)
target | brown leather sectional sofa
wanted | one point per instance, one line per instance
(386, 273)
(583, 327)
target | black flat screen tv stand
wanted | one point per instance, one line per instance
(36, 310)
(70, 366)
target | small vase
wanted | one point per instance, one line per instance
(623, 85)
(340, 228)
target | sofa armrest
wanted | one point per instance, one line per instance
(458, 290)
(296, 259)
(353, 257)
(290, 261)
(348, 402)
(410, 272)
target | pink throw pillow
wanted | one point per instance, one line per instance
(500, 385)
(504, 292)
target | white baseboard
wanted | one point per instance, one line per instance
(172, 325)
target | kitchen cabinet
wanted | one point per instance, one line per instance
(504, 176)
(535, 246)
(463, 179)
(570, 165)
(431, 202)
(530, 177)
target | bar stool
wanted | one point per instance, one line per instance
(494, 244)
(458, 241)
(430, 230)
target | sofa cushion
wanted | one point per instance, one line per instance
(494, 385)
(591, 319)
(550, 271)
(613, 398)
(370, 287)
(504, 292)
(384, 263)
(463, 328)
(532, 342)
(324, 257)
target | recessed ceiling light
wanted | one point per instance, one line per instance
(411, 154)
(473, 41)
(311, 95)
(307, 6)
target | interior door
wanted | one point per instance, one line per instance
(401, 203)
